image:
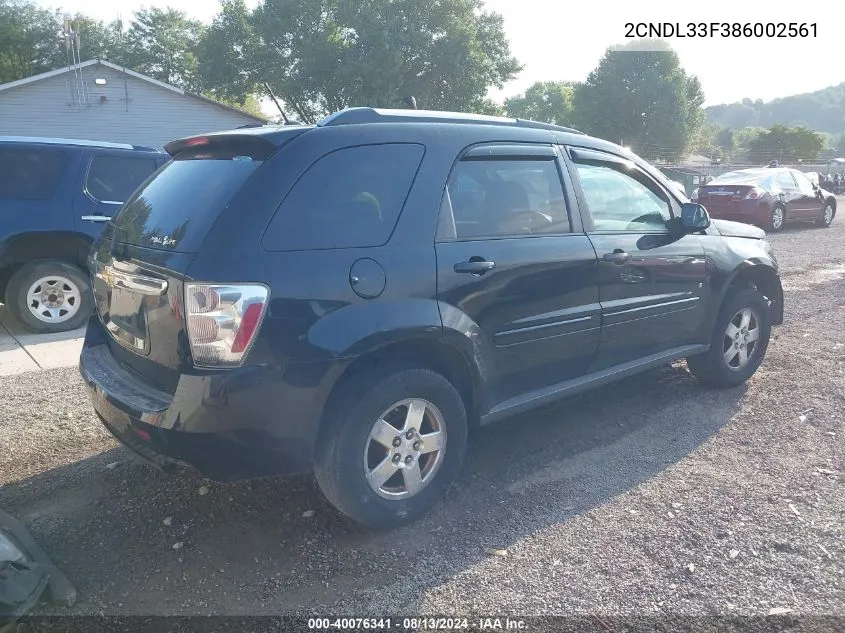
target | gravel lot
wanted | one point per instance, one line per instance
(654, 495)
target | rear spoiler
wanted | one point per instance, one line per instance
(257, 142)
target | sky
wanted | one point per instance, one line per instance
(565, 39)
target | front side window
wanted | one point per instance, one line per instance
(29, 174)
(783, 180)
(350, 198)
(805, 185)
(622, 199)
(506, 198)
(113, 179)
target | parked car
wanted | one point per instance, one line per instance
(767, 197)
(353, 297)
(55, 195)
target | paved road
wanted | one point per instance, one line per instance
(22, 351)
(653, 495)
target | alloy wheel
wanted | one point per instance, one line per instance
(740, 340)
(827, 214)
(777, 217)
(404, 449)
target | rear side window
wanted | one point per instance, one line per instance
(30, 174)
(114, 178)
(350, 198)
(505, 198)
(177, 208)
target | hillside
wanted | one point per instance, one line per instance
(823, 111)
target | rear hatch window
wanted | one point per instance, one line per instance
(177, 207)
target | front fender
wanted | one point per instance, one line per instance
(733, 260)
(763, 275)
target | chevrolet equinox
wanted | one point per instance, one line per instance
(351, 298)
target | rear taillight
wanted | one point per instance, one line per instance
(223, 320)
(755, 193)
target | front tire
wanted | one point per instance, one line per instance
(48, 296)
(777, 218)
(392, 444)
(739, 343)
(826, 217)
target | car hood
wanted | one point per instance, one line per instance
(738, 229)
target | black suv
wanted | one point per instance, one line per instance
(353, 297)
(55, 195)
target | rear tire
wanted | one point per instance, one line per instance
(352, 456)
(826, 217)
(48, 296)
(777, 218)
(734, 356)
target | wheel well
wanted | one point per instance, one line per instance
(434, 355)
(64, 246)
(766, 281)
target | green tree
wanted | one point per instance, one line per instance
(644, 98)
(743, 137)
(249, 104)
(546, 101)
(162, 43)
(97, 39)
(32, 41)
(319, 57)
(725, 139)
(786, 144)
(228, 54)
(29, 40)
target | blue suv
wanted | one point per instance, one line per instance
(55, 196)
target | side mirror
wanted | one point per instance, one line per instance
(694, 217)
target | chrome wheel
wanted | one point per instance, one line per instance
(827, 214)
(740, 340)
(54, 299)
(404, 449)
(777, 218)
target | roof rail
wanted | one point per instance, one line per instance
(351, 116)
(64, 141)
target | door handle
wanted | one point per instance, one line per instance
(96, 218)
(617, 257)
(474, 266)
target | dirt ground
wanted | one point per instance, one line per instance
(654, 495)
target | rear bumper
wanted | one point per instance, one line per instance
(240, 423)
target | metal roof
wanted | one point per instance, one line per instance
(73, 141)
